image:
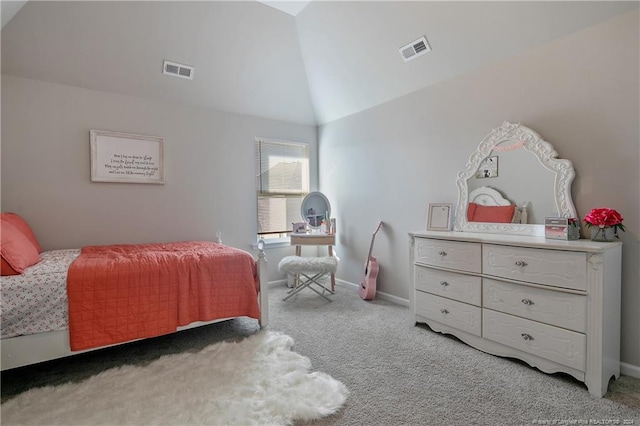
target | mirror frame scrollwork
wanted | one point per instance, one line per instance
(546, 155)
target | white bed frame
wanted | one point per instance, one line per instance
(487, 196)
(33, 348)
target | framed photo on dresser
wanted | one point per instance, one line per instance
(439, 217)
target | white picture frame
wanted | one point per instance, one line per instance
(439, 217)
(488, 168)
(126, 157)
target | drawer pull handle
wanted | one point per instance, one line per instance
(527, 301)
(521, 263)
(444, 283)
(444, 311)
(442, 253)
(526, 336)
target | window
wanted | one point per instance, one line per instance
(282, 181)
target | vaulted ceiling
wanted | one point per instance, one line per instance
(324, 61)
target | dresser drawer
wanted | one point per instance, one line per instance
(458, 255)
(551, 267)
(555, 344)
(446, 311)
(548, 306)
(464, 288)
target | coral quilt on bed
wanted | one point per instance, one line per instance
(119, 293)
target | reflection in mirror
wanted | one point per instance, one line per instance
(488, 205)
(524, 171)
(315, 208)
(522, 179)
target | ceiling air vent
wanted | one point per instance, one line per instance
(415, 49)
(178, 70)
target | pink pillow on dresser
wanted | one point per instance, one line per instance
(16, 249)
(22, 225)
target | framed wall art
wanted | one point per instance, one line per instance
(126, 157)
(439, 217)
(488, 168)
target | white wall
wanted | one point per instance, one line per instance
(579, 92)
(209, 167)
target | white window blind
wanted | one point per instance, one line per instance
(282, 181)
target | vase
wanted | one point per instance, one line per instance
(606, 234)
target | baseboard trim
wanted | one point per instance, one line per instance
(384, 296)
(630, 370)
(277, 282)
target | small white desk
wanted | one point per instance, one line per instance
(300, 240)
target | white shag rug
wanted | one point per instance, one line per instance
(256, 381)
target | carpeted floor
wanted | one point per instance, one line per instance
(397, 374)
(400, 374)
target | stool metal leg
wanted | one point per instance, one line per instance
(308, 283)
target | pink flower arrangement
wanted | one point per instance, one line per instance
(603, 218)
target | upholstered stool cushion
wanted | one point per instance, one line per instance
(298, 264)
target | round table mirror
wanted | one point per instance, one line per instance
(315, 208)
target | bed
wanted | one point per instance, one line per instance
(77, 300)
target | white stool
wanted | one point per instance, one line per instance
(311, 268)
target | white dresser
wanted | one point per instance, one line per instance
(553, 304)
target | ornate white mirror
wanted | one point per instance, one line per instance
(315, 208)
(511, 183)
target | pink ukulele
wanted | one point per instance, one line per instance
(368, 282)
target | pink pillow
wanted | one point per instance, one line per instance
(494, 214)
(22, 225)
(17, 251)
(6, 269)
(471, 211)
